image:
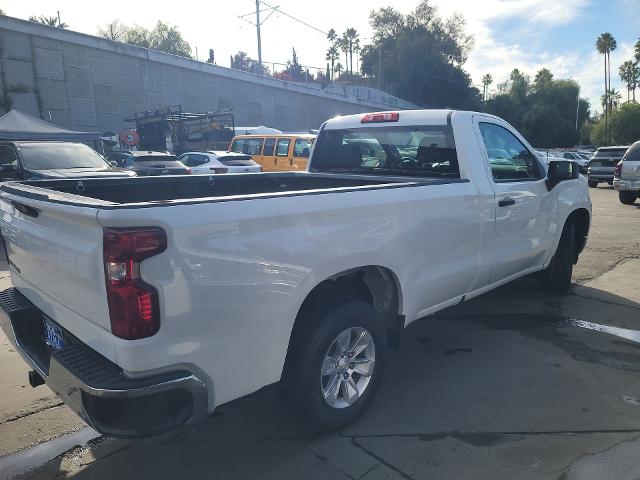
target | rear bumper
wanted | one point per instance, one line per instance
(624, 185)
(97, 389)
(602, 174)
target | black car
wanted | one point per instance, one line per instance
(149, 163)
(29, 160)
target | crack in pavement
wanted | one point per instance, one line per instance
(324, 459)
(381, 460)
(32, 412)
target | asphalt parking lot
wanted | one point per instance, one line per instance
(514, 384)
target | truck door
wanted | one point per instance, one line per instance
(525, 211)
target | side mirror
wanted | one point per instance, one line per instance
(560, 171)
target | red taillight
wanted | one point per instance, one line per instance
(380, 117)
(219, 170)
(618, 170)
(133, 304)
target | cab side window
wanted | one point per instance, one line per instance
(8, 156)
(509, 159)
(301, 148)
(269, 146)
(282, 147)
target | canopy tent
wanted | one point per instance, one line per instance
(16, 125)
(259, 130)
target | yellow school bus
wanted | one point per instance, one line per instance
(276, 153)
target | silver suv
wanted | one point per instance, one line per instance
(603, 164)
(627, 175)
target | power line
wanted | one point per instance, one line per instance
(295, 19)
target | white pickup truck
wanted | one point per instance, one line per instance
(144, 303)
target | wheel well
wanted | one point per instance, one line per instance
(580, 220)
(375, 285)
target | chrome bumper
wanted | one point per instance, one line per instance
(97, 389)
(623, 185)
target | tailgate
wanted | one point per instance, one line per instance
(630, 170)
(55, 256)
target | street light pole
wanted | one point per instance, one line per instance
(258, 31)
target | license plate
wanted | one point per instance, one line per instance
(53, 334)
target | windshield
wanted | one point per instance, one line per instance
(416, 151)
(51, 156)
(610, 153)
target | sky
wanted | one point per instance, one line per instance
(523, 34)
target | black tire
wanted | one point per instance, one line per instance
(301, 388)
(627, 197)
(556, 277)
(593, 183)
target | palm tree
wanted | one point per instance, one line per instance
(332, 56)
(350, 35)
(338, 69)
(486, 81)
(636, 50)
(605, 44)
(635, 80)
(614, 98)
(343, 44)
(627, 74)
(332, 36)
(48, 21)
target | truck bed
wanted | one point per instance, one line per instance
(154, 191)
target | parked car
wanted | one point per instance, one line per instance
(214, 289)
(26, 160)
(149, 163)
(219, 162)
(603, 164)
(276, 153)
(627, 175)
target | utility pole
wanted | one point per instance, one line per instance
(258, 31)
(59, 18)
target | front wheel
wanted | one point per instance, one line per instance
(334, 366)
(627, 197)
(557, 276)
(593, 183)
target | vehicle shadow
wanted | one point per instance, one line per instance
(513, 362)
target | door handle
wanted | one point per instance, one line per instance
(506, 202)
(26, 209)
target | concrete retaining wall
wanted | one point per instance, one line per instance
(89, 83)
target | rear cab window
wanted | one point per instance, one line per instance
(422, 151)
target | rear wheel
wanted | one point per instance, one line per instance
(557, 276)
(334, 366)
(593, 183)
(627, 197)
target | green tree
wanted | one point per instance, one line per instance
(605, 44)
(627, 72)
(332, 56)
(2, 12)
(168, 39)
(625, 124)
(49, 21)
(242, 61)
(343, 44)
(419, 57)
(636, 51)
(338, 68)
(138, 36)
(487, 80)
(546, 111)
(332, 36)
(350, 37)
